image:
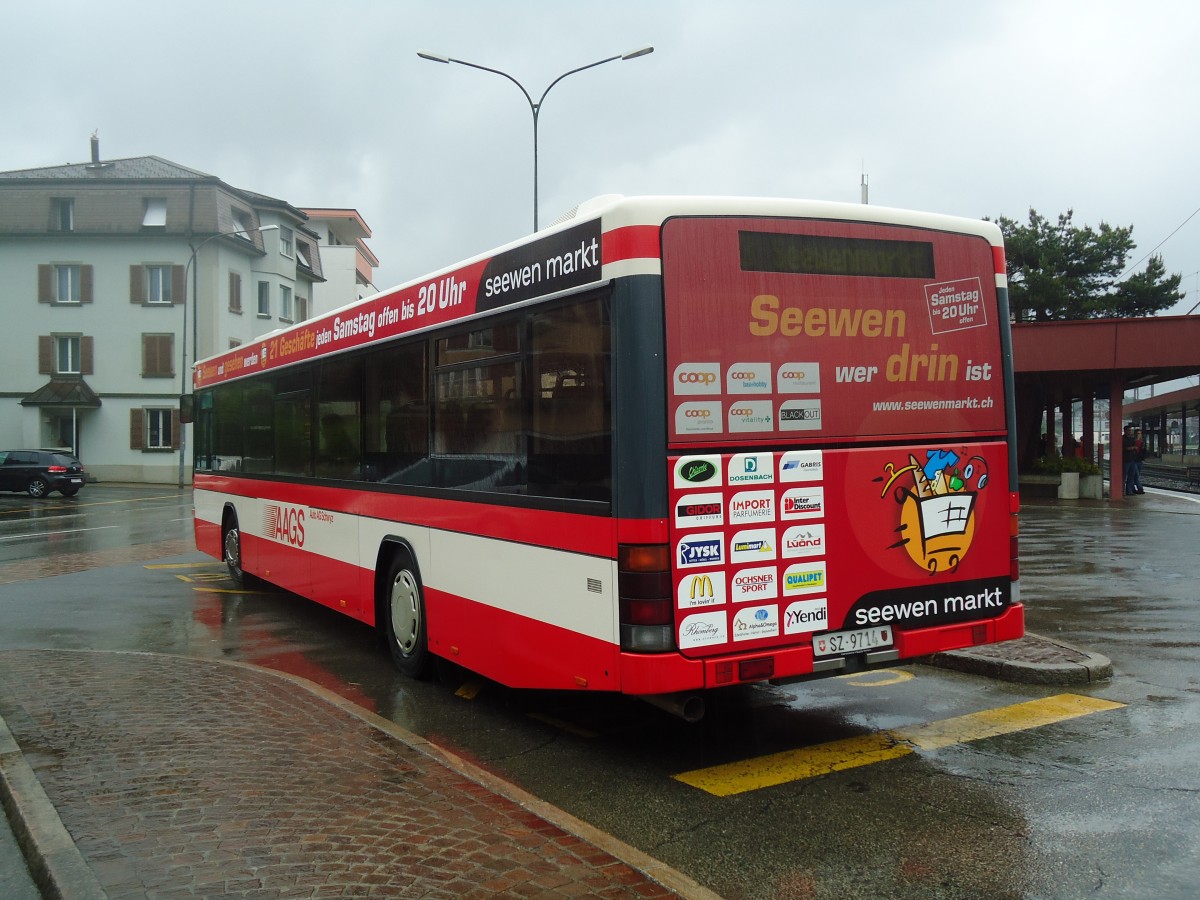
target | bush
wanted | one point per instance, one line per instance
(1053, 464)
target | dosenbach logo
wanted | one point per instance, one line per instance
(284, 524)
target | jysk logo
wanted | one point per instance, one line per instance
(697, 378)
(284, 524)
(698, 471)
(701, 550)
(705, 589)
(699, 509)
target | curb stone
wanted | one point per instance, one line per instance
(1032, 659)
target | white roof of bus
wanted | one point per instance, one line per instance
(618, 211)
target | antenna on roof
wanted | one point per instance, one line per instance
(95, 163)
(864, 182)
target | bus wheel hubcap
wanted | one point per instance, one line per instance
(406, 612)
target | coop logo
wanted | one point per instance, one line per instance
(801, 465)
(698, 418)
(751, 468)
(804, 578)
(803, 503)
(707, 589)
(803, 540)
(759, 583)
(752, 506)
(699, 509)
(701, 550)
(284, 524)
(748, 378)
(697, 378)
(799, 378)
(751, 415)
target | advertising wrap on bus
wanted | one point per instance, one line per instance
(825, 336)
(771, 548)
(787, 345)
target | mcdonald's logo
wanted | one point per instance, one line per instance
(702, 587)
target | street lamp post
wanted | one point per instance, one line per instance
(191, 268)
(535, 108)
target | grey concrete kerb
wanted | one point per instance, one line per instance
(57, 866)
(1033, 659)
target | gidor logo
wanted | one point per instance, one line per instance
(284, 524)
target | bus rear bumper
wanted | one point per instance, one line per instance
(670, 673)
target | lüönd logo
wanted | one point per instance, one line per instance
(284, 524)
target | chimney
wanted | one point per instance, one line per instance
(95, 148)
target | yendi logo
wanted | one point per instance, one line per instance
(284, 524)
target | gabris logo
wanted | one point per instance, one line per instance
(284, 524)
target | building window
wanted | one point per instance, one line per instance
(285, 241)
(158, 355)
(264, 299)
(63, 211)
(158, 284)
(66, 284)
(235, 292)
(158, 429)
(68, 359)
(285, 303)
(155, 215)
(302, 309)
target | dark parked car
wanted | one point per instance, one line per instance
(39, 472)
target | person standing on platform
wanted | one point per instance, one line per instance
(1139, 457)
(1128, 463)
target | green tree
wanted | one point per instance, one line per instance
(1061, 271)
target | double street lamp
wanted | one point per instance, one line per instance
(193, 271)
(535, 108)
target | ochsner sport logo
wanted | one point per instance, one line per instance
(697, 378)
(284, 524)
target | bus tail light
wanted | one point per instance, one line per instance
(1014, 532)
(647, 610)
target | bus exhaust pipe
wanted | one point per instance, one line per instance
(687, 706)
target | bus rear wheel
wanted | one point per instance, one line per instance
(232, 551)
(404, 618)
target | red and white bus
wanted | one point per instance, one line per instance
(670, 444)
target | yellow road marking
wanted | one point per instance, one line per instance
(807, 762)
(879, 678)
(191, 565)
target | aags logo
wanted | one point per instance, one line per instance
(284, 524)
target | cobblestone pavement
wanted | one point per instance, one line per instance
(180, 777)
(48, 567)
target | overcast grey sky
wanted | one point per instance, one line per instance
(975, 109)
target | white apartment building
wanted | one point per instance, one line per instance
(115, 276)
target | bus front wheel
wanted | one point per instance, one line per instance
(232, 550)
(404, 618)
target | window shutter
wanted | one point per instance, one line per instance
(137, 429)
(85, 284)
(178, 287)
(235, 292)
(137, 284)
(45, 354)
(175, 426)
(86, 343)
(45, 284)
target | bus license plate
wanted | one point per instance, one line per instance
(840, 642)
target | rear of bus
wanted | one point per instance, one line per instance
(841, 488)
